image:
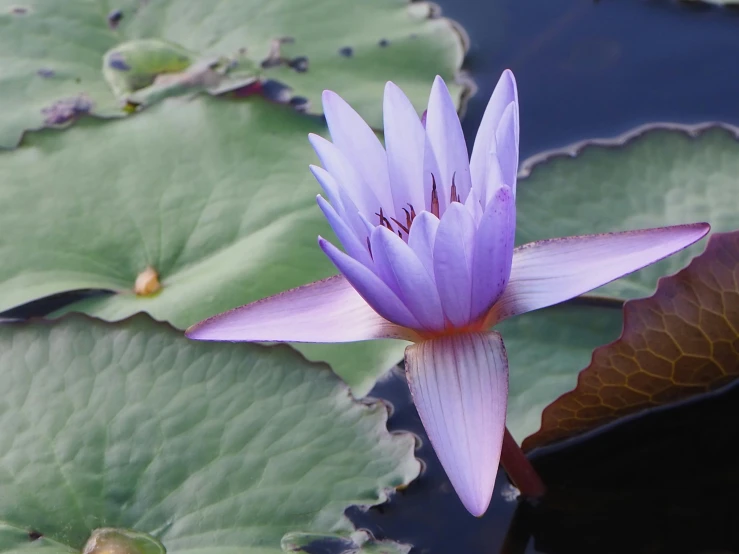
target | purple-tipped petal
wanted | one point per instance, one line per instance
(493, 253)
(459, 385)
(485, 141)
(506, 141)
(359, 144)
(375, 292)
(400, 269)
(552, 271)
(453, 247)
(324, 311)
(422, 238)
(346, 236)
(342, 203)
(345, 175)
(404, 140)
(447, 143)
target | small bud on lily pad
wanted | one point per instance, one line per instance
(147, 282)
(108, 540)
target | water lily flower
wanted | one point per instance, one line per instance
(428, 256)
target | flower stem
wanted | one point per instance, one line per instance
(520, 471)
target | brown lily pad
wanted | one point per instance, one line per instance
(680, 342)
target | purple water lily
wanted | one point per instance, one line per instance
(428, 257)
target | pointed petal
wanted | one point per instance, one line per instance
(505, 92)
(474, 207)
(342, 203)
(446, 139)
(422, 238)
(404, 140)
(370, 287)
(453, 263)
(345, 175)
(459, 385)
(552, 271)
(506, 140)
(346, 236)
(493, 253)
(495, 178)
(324, 311)
(399, 267)
(359, 144)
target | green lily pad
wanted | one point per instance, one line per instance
(546, 351)
(651, 177)
(209, 448)
(52, 52)
(214, 195)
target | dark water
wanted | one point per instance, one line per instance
(596, 69)
(663, 484)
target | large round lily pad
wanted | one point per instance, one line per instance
(210, 448)
(648, 178)
(214, 195)
(52, 52)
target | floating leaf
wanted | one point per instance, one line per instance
(207, 204)
(681, 342)
(52, 51)
(545, 350)
(209, 448)
(654, 176)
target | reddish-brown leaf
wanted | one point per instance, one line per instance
(680, 342)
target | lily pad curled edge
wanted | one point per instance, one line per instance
(603, 185)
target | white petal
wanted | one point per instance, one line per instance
(552, 271)
(404, 140)
(505, 92)
(324, 311)
(459, 385)
(447, 143)
(359, 144)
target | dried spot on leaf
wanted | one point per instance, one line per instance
(147, 282)
(46, 73)
(276, 91)
(383, 43)
(299, 64)
(300, 103)
(122, 541)
(117, 61)
(67, 110)
(346, 51)
(19, 10)
(681, 342)
(114, 19)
